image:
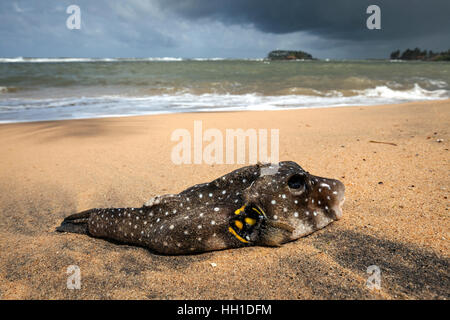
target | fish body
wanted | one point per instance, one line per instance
(262, 204)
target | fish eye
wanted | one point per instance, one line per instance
(296, 181)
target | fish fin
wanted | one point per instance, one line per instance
(157, 199)
(76, 223)
(282, 225)
(275, 233)
(246, 222)
(250, 225)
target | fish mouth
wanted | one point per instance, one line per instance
(338, 209)
(340, 199)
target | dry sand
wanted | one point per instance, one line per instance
(49, 170)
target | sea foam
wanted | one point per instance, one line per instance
(21, 109)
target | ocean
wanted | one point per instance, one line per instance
(37, 89)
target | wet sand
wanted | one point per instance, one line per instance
(396, 215)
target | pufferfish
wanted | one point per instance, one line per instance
(262, 204)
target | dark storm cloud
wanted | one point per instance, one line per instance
(220, 28)
(343, 19)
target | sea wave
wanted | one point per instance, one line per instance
(157, 59)
(54, 60)
(416, 93)
(21, 109)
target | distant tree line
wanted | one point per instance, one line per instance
(417, 54)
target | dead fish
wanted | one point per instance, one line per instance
(262, 204)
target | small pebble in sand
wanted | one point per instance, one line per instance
(213, 264)
(381, 182)
(439, 140)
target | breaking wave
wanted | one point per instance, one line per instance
(21, 109)
(64, 60)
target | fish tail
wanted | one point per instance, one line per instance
(77, 223)
(124, 225)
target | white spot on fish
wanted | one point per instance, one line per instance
(326, 185)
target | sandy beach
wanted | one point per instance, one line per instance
(395, 217)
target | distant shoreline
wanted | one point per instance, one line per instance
(175, 59)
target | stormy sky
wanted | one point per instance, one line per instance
(333, 29)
